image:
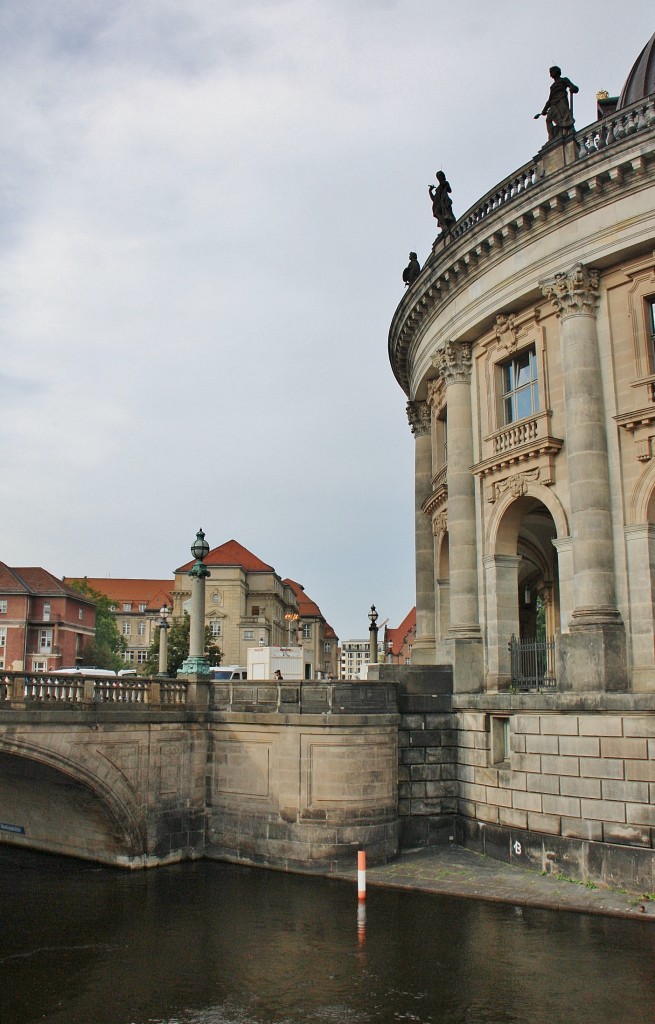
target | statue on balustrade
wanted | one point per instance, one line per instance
(558, 110)
(412, 270)
(442, 205)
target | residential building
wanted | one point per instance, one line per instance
(44, 624)
(316, 636)
(246, 601)
(398, 642)
(137, 605)
(355, 654)
(526, 350)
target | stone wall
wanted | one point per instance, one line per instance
(572, 793)
(290, 792)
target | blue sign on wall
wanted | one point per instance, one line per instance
(4, 827)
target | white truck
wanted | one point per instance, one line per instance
(264, 662)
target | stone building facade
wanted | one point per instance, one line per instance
(137, 605)
(526, 349)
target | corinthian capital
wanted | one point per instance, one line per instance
(574, 291)
(453, 362)
(418, 414)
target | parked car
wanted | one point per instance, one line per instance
(86, 670)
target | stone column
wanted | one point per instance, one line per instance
(501, 574)
(594, 651)
(420, 421)
(453, 363)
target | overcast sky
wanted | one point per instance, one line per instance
(206, 209)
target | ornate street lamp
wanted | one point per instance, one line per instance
(197, 663)
(163, 641)
(373, 636)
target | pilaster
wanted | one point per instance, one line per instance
(420, 421)
(464, 640)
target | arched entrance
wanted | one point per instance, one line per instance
(522, 578)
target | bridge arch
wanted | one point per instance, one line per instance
(57, 805)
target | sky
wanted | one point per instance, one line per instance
(205, 211)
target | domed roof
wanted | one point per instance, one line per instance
(641, 80)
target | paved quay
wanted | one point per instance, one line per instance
(455, 871)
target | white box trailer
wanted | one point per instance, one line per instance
(264, 662)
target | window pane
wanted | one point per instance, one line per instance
(523, 370)
(523, 403)
(508, 378)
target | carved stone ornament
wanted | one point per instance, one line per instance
(516, 485)
(440, 523)
(574, 291)
(506, 331)
(453, 362)
(436, 394)
(420, 420)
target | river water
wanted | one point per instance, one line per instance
(210, 943)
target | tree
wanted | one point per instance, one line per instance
(105, 650)
(178, 648)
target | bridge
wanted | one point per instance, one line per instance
(137, 772)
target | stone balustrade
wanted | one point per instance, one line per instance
(19, 689)
(515, 185)
(615, 127)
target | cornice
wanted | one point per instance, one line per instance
(525, 204)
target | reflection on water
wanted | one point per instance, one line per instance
(209, 943)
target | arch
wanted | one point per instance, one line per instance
(502, 531)
(642, 500)
(70, 810)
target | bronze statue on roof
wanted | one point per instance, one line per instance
(558, 110)
(412, 270)
(442, 205)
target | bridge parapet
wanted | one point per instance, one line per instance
(20, 689)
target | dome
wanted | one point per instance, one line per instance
(641, 80)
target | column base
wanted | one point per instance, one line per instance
(195, 666)
(592, 657)
(467, 659)
(424, 651)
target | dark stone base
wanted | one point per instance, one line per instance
(578, 859)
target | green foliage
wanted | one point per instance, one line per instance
(104, 651)
(178, 648)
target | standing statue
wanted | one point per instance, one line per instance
(412, 270)
(442, 206)
(559, 106)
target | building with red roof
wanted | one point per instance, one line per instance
(246, 601)
(315, 635)
(44, 624)
(137, 604)
(398, 642)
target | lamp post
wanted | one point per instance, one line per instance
(163, 641)
(197, 664)
(373, 636)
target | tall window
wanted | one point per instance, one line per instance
(3, 636)
(127, 629)
(46, 611)
(520, 387)
(306, 631)
(141, 629)
(3, 607)
(45, 641)
(215, 627)
(651, 325)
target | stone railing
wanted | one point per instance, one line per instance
(515, 185)
(599, 135)
(20, 689)
(311, 698)
(615, 127)
(515, 435)
(40, 689)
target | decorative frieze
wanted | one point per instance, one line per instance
(517, 485)
(506, 332)
(574, 292)
(453, 362)
(420, 420)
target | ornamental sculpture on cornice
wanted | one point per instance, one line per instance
(453, 362)
(575, 291)
(420, 420)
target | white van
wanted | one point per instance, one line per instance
(226, 673)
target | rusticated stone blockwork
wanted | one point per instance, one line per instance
(579, 788)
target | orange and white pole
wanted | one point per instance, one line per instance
(361, 873)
